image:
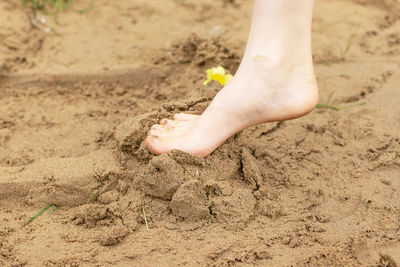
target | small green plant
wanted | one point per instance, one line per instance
(327, 62)
(336, 108)
(57, 5)
(94, 193)
(327, 106)
(86, 9)
(344, 51)
(40, 212)
(92, 196)
(54, 210)
(43, 211)
(52, 6)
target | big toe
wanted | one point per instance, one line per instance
(170, 134)
(156, 145)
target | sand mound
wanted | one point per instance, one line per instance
(62, 182)
(202, 52)
(195, 189)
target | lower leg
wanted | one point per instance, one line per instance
(281, 29)
(275, 81)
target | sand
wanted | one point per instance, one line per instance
(76, 104)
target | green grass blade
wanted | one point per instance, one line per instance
(86, 10)
(349, 43)
(355, 105)
(92, 196)
(67, 4)
(336, 108)
(51, 7)
(54, 210)
(40, 213)
(327, 63)
(328, 107)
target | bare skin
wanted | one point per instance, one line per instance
(275, 82)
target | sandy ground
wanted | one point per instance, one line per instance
(75, 106)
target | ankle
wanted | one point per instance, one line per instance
(275, 55)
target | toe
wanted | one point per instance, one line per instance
(184, 117)
(159, 128)
(156, 127)
(167, 122)
(170, 125)
(163, 121)
(156, 146)
(153, 132)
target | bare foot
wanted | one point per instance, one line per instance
(260, 92)
(275, 81)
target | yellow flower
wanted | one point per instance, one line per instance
(217, 74)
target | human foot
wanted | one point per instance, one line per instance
(275, 81)
(259, 92)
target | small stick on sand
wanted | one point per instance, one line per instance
(145, 219)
